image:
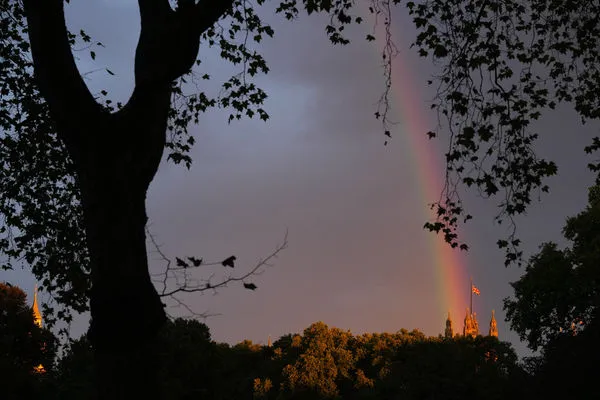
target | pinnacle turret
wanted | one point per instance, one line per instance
(37, 315)
(449, 332)
(493, 326)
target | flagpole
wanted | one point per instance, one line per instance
(471, 290)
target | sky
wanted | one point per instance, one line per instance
(358, 257)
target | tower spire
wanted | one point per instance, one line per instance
(471, 293)
(37, 315)
(449, 332)
(37, 319)
(493, 326)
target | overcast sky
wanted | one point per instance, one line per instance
(358, 257)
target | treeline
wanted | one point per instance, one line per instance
(321, 363)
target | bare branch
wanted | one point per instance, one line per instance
(382, 9)
(178, 278)
(191, 313)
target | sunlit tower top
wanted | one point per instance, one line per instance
(37, 319)
(37, 315)
(493, 326)
(471, 327)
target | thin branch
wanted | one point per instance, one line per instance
(177, 278)
(265, 262)
(192, 313)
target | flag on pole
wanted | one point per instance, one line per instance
(475, 290)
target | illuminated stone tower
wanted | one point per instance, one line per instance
(471, 327)
(37, 315)
(493, 326)
(37, 319)
(449, 333)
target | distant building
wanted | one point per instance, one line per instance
(471, 326)
(37, 315)
(37, 319)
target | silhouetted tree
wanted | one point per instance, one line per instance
(568, 364)
(74, 377)
(502, 65)
(85, 159)
(559, 294)
(556, 308)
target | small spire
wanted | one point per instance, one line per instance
(269, 344)
(37, 315)
(449, 332)
(493, 325)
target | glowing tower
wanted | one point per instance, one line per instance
(37, 319)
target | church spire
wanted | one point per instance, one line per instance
(37, 319)
(37, 315)
(449, 333)
(493, 325)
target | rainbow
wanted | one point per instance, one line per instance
(452, 278)
(449, 264)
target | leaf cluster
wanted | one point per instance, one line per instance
(501, 65)
(40, 211)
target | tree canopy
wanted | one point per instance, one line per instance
(559, 293)
(556, 308)
(322, 362)
(502, 65)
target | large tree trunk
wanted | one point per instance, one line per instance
(115, 157)
(126, 309)
(115, 165)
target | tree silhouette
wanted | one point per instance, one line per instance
(501, 66)
(93, 162)
(559, 293)
(556, 308)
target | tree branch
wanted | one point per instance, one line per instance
(169, 40)
(56, 73)
(207, 12)
(154, 11)
(180, 275)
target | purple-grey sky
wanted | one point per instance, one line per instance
(357, 257)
